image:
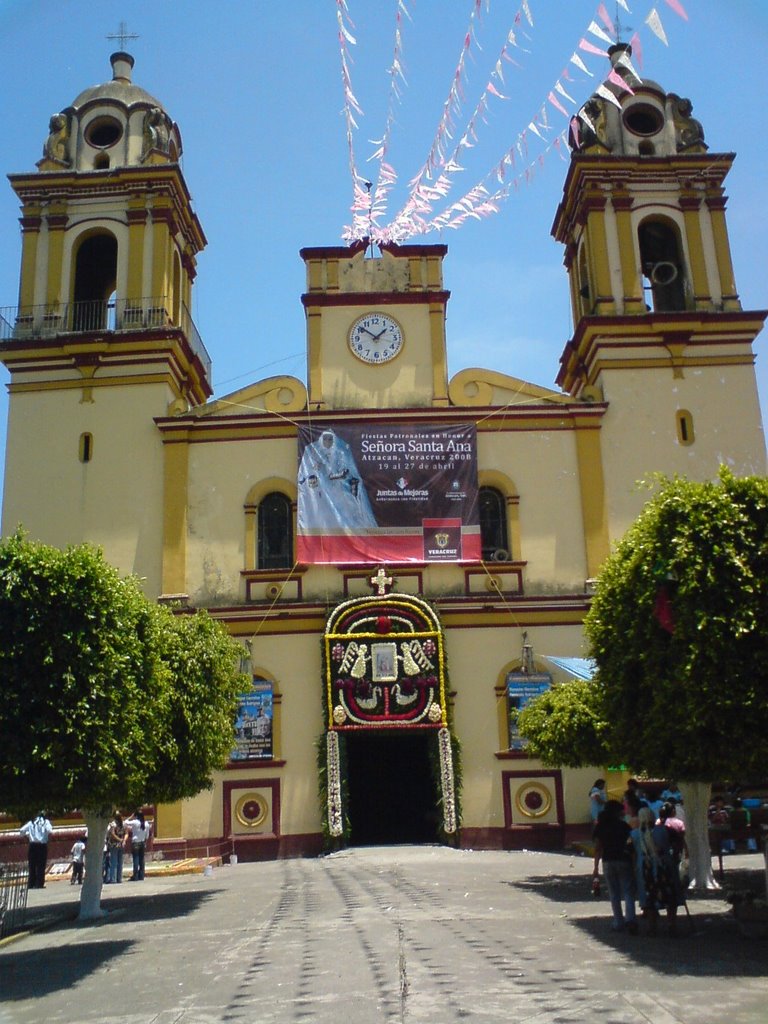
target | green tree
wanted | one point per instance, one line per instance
(565, 725)
(679, 630)
(99, 706)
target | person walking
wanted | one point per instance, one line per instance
(613, 845)
(140, 832)
(78, 861)
(115, 841)
(37, 830)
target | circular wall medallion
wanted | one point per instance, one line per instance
(533, 800)
(251, 810)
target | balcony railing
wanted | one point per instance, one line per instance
(28, 323)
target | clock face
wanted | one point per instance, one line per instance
(375, 338)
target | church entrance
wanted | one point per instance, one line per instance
(392, 796)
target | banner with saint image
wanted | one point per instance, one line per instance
(388, 493)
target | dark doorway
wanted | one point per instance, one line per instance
(392, 797)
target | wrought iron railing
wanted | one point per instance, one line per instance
(14, 878)
(28, 323)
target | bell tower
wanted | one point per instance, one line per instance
(660, 334)
(101, 341)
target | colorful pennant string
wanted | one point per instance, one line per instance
(436, 177)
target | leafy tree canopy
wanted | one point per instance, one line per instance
(105, 699)
(679, 630)
(565, 726)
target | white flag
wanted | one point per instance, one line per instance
(653, 21)
(607, 95)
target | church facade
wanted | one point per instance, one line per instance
(405, 556)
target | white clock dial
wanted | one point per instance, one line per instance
(375, 338)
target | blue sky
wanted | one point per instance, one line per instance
(256, 89)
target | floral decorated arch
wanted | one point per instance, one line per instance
(384, 668)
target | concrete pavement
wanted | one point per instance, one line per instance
(396, 935)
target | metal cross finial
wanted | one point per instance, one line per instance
(619, 27)
(381, 581)
(122, 34)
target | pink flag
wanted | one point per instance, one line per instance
(605, 17)
(584, 44)
(678, 8)
(491, 88)
(637, 49)
(616, 78)
(557, 104)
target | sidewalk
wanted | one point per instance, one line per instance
(393, 935)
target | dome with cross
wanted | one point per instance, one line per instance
(116, 124)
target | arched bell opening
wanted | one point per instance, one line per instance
(95, 281)
(662, 266)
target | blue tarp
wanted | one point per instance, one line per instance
(580, 668)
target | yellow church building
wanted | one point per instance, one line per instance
(405, 556)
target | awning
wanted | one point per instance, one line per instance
(579, 668)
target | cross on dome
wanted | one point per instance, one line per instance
(122, 34)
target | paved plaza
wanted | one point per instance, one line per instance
(394, 935)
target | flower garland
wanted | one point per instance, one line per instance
(335, 818)
(447, 781)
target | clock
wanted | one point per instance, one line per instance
(375, 338)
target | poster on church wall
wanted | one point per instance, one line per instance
(388, 493)
(522, 687)
(253, 726)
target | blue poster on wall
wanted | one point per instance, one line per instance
(522, 687)
(253, 726)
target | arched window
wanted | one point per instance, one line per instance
(685, 432)
(493, 525)
(275, 532)
(662, 265)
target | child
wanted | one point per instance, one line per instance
(78, 860)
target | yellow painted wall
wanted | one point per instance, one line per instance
(115, 499)
(640, 434)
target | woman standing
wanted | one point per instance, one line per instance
(614, 846)
(140, 831)
(115, 841)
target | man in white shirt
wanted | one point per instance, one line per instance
(37, 830)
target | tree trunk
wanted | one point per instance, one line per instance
(97, 822)
(696, 804)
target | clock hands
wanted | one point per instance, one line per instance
(374, 336)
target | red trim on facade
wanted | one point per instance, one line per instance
(367, 300)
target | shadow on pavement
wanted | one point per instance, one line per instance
(149, 907)
(29, 974)
(707, 944)
(157, 906)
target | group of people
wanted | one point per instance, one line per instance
(641, 849)
(121, 832)
(135, 831)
